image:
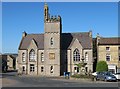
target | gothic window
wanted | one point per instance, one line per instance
(51, 41)
(51, 69)
(86, 56)
(32, 56)
(76, 55)
(42, 57)
(23, 57)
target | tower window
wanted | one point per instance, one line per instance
(42, 57)
(51, 41)
(51, 69)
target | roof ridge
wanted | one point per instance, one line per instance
(36, 34)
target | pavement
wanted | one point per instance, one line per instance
(13, 80)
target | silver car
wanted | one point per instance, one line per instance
(106, 76)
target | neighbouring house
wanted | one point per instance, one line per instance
(108, 49)
(52, 53)
(8, 62)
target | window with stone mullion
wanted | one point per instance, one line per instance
(32, 55)
(76, 55)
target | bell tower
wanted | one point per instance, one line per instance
(52, 37)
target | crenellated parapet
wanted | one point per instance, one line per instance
(53, 19)
(48, 18)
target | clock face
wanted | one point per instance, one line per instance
(51, 55)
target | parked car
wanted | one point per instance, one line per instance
(106, 76)
(117, 75)
(94, 74)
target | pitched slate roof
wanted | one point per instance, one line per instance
(67, 40)
(38, 38)
(109, 41)
(83, 38)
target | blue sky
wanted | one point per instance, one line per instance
(100, 17)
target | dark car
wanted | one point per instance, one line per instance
(106, 76)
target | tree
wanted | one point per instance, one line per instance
(81, 65)
(102, 66)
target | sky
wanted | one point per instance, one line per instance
(17, 17)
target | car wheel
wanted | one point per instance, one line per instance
(105, 80)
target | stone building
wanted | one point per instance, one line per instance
(108, 49)
(53, 52)
(8, 62)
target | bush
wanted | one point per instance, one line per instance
(81, 76)
(102, 66)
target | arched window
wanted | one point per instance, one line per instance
(42, 57)
(86, 56)
(32, 56)
(23, 57)
(76, 55)
(51, 41)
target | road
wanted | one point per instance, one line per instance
(13, 80)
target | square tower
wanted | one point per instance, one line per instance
(52, 28)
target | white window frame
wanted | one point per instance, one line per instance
(108, 55)
(107, 48)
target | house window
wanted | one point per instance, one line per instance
(51, 69)
(76, 69)
(51, 41)
(32, 67)
(42, 69)
(76, 55)
(42, 57)
(119, 48)
(108, 57)
(23, 57)
(107, 48)
(119, 57)
(86, 56)
(32, 55)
